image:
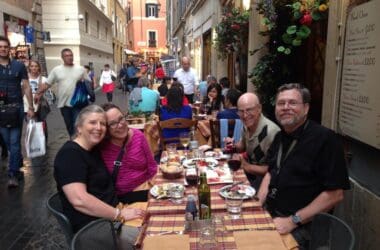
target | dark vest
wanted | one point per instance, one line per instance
(11, 76)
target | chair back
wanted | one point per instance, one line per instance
(174, 123)
(216, 141)
(55, 207)
(96, 235)
(329, 232)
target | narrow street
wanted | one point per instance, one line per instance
(25, 222)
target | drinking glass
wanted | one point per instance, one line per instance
(184, 139)
(234, 164)
(207, 236)
(192, 178)
(234, 207)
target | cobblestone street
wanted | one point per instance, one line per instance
(25, 222)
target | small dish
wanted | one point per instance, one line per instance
(240, 191)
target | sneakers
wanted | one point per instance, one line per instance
(12, 182)
(14, 179)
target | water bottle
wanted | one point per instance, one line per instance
(191, 208)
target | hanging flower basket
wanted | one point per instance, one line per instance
(232, 32)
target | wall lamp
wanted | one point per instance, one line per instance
(80, 18)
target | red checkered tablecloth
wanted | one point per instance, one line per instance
(165, 216)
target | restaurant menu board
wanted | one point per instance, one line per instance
(359, 113)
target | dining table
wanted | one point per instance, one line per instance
(164, 224)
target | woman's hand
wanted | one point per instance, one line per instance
(132, 213)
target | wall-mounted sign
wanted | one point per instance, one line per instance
(359, 111)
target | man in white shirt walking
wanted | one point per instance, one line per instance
(66, 76)
(187, 77)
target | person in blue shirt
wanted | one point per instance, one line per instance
(230, 105)
(175, 109)
(132, 74)
(143, 99)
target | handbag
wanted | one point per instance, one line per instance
(9, 112)
(10, 115)
(80, 98)
(43, 109)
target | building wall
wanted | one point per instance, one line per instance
(139, 26)
(61, 18)
(361, 205)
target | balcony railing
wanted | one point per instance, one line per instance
(152, 43)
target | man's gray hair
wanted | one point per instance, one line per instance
(305, 93)
(143, 82)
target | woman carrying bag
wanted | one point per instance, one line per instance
(107, 82)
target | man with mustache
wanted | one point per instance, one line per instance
(307, 170)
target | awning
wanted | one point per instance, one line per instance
(130, 52)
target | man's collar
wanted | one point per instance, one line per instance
(296, 133)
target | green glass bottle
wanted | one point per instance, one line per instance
(204, 198)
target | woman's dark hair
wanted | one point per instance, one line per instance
(175, 98)
(216, 105)
(108, 106)
(233, 96)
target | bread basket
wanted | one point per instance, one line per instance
(171, 170)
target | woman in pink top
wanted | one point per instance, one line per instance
(138, 165)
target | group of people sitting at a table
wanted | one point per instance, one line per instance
(298, 168)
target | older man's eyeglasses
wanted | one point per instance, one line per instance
(290, 103)
(248, 111)
(115, 124)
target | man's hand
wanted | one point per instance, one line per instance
(284, 225)
(37, 97)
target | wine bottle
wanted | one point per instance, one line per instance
(204, 198)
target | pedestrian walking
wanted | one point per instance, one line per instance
(66, 77)
(107, 82)
(12, 73)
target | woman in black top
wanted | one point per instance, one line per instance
(213, 101)
(84, 185)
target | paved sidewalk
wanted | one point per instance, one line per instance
(25, 222)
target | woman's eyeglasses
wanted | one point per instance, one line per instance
(115, 124)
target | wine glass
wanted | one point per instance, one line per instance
(192, 177)
(234, 164)
(184, 139)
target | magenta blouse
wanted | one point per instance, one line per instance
(138, 162)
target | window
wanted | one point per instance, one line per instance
(97, 29)
(152, 42)
(86, 22)
(151, 10)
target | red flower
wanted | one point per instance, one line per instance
(235, 26)
(306, 19)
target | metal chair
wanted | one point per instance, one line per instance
(55, 207)
(329, 232)
(215, 131)
(96, 235)
(174, 123)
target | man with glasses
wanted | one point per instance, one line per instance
(257, 136)
(307, 170)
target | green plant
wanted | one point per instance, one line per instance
(231, 32)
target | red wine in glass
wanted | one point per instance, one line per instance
(234, 165)
(192, 180)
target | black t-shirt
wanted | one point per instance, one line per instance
(75, 164)
(315, 164)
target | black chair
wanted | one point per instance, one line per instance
(329, 232)
(96, 235)
(55, 207)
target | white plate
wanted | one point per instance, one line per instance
(190, 163)
(245, 191)
(166, 187)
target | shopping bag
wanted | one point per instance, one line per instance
(35, 143)
(80, 98)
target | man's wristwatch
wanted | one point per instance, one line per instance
(296, 219)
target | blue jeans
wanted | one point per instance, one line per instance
(69, 116)
(12, 138)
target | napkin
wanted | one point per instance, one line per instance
(263, 240)
(167, 242)
(138, 221)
